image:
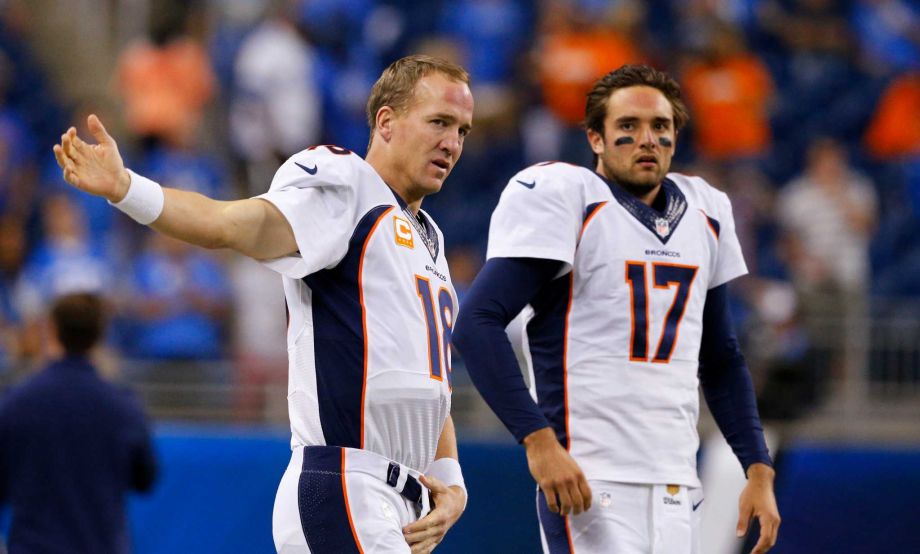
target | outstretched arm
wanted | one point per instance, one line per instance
(448, 494)
(252, 227)
(501, 290)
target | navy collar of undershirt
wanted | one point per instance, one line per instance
(662, 223)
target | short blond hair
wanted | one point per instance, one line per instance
(396, 85)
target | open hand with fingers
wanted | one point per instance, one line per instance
(557, 473)
(94, 168)
(425, 534)
(757, 500)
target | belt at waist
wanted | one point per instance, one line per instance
(338, 459)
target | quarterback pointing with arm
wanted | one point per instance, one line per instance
(371, 309)
(622, 271)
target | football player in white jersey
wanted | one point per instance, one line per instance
(622, 272)
(371, 309)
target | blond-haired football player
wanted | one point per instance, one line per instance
(371, 309)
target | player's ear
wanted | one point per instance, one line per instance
(384, 122)
(596, 140)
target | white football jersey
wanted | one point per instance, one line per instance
(371, 307)
(613, 342)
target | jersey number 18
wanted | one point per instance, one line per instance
(438, 339)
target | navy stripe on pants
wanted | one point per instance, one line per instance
(321, 501)
(553, 525)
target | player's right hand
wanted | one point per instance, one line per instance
(557, 473)
(94, 168)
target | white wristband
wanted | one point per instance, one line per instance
(447, 470)
(144, 201)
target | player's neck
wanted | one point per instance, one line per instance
(391, 177)
(413, 203)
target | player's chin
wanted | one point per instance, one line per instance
(648, 177)
(431, 185)
(434, 181)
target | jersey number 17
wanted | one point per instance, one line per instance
(664, 276)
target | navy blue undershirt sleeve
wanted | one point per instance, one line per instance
(501, 290)
(727, 384)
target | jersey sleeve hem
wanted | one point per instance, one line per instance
(728, 277)
(531, 252)
(292, 265)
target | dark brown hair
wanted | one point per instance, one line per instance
(396, 85)
(79, 321)
(631, 76)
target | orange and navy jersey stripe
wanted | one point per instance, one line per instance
(340, 338)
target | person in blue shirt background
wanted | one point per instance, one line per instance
(72, 445)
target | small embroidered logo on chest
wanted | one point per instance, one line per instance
(662, 227)
(606, 499)
(403, 232)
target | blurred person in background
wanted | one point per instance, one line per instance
(730, 91)
(64, 261)
(574, 48)
(827, 216)
(892, 140)
(822, 87)
(166, 82)
(370, 302)
(175, 321)
(893, 133)
(277, 104)
(889, 34)
(179, 302)
(72, 445)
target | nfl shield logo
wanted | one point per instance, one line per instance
(662, 227)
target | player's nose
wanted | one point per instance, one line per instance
(647, 137)
(450, 144)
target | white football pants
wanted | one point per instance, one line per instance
(339, 500)
(626, 518)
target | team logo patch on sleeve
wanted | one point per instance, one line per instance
(403, 232)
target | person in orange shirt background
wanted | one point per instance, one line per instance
(894, 131)
(577, 46)
(730, 92)
(166, 82)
